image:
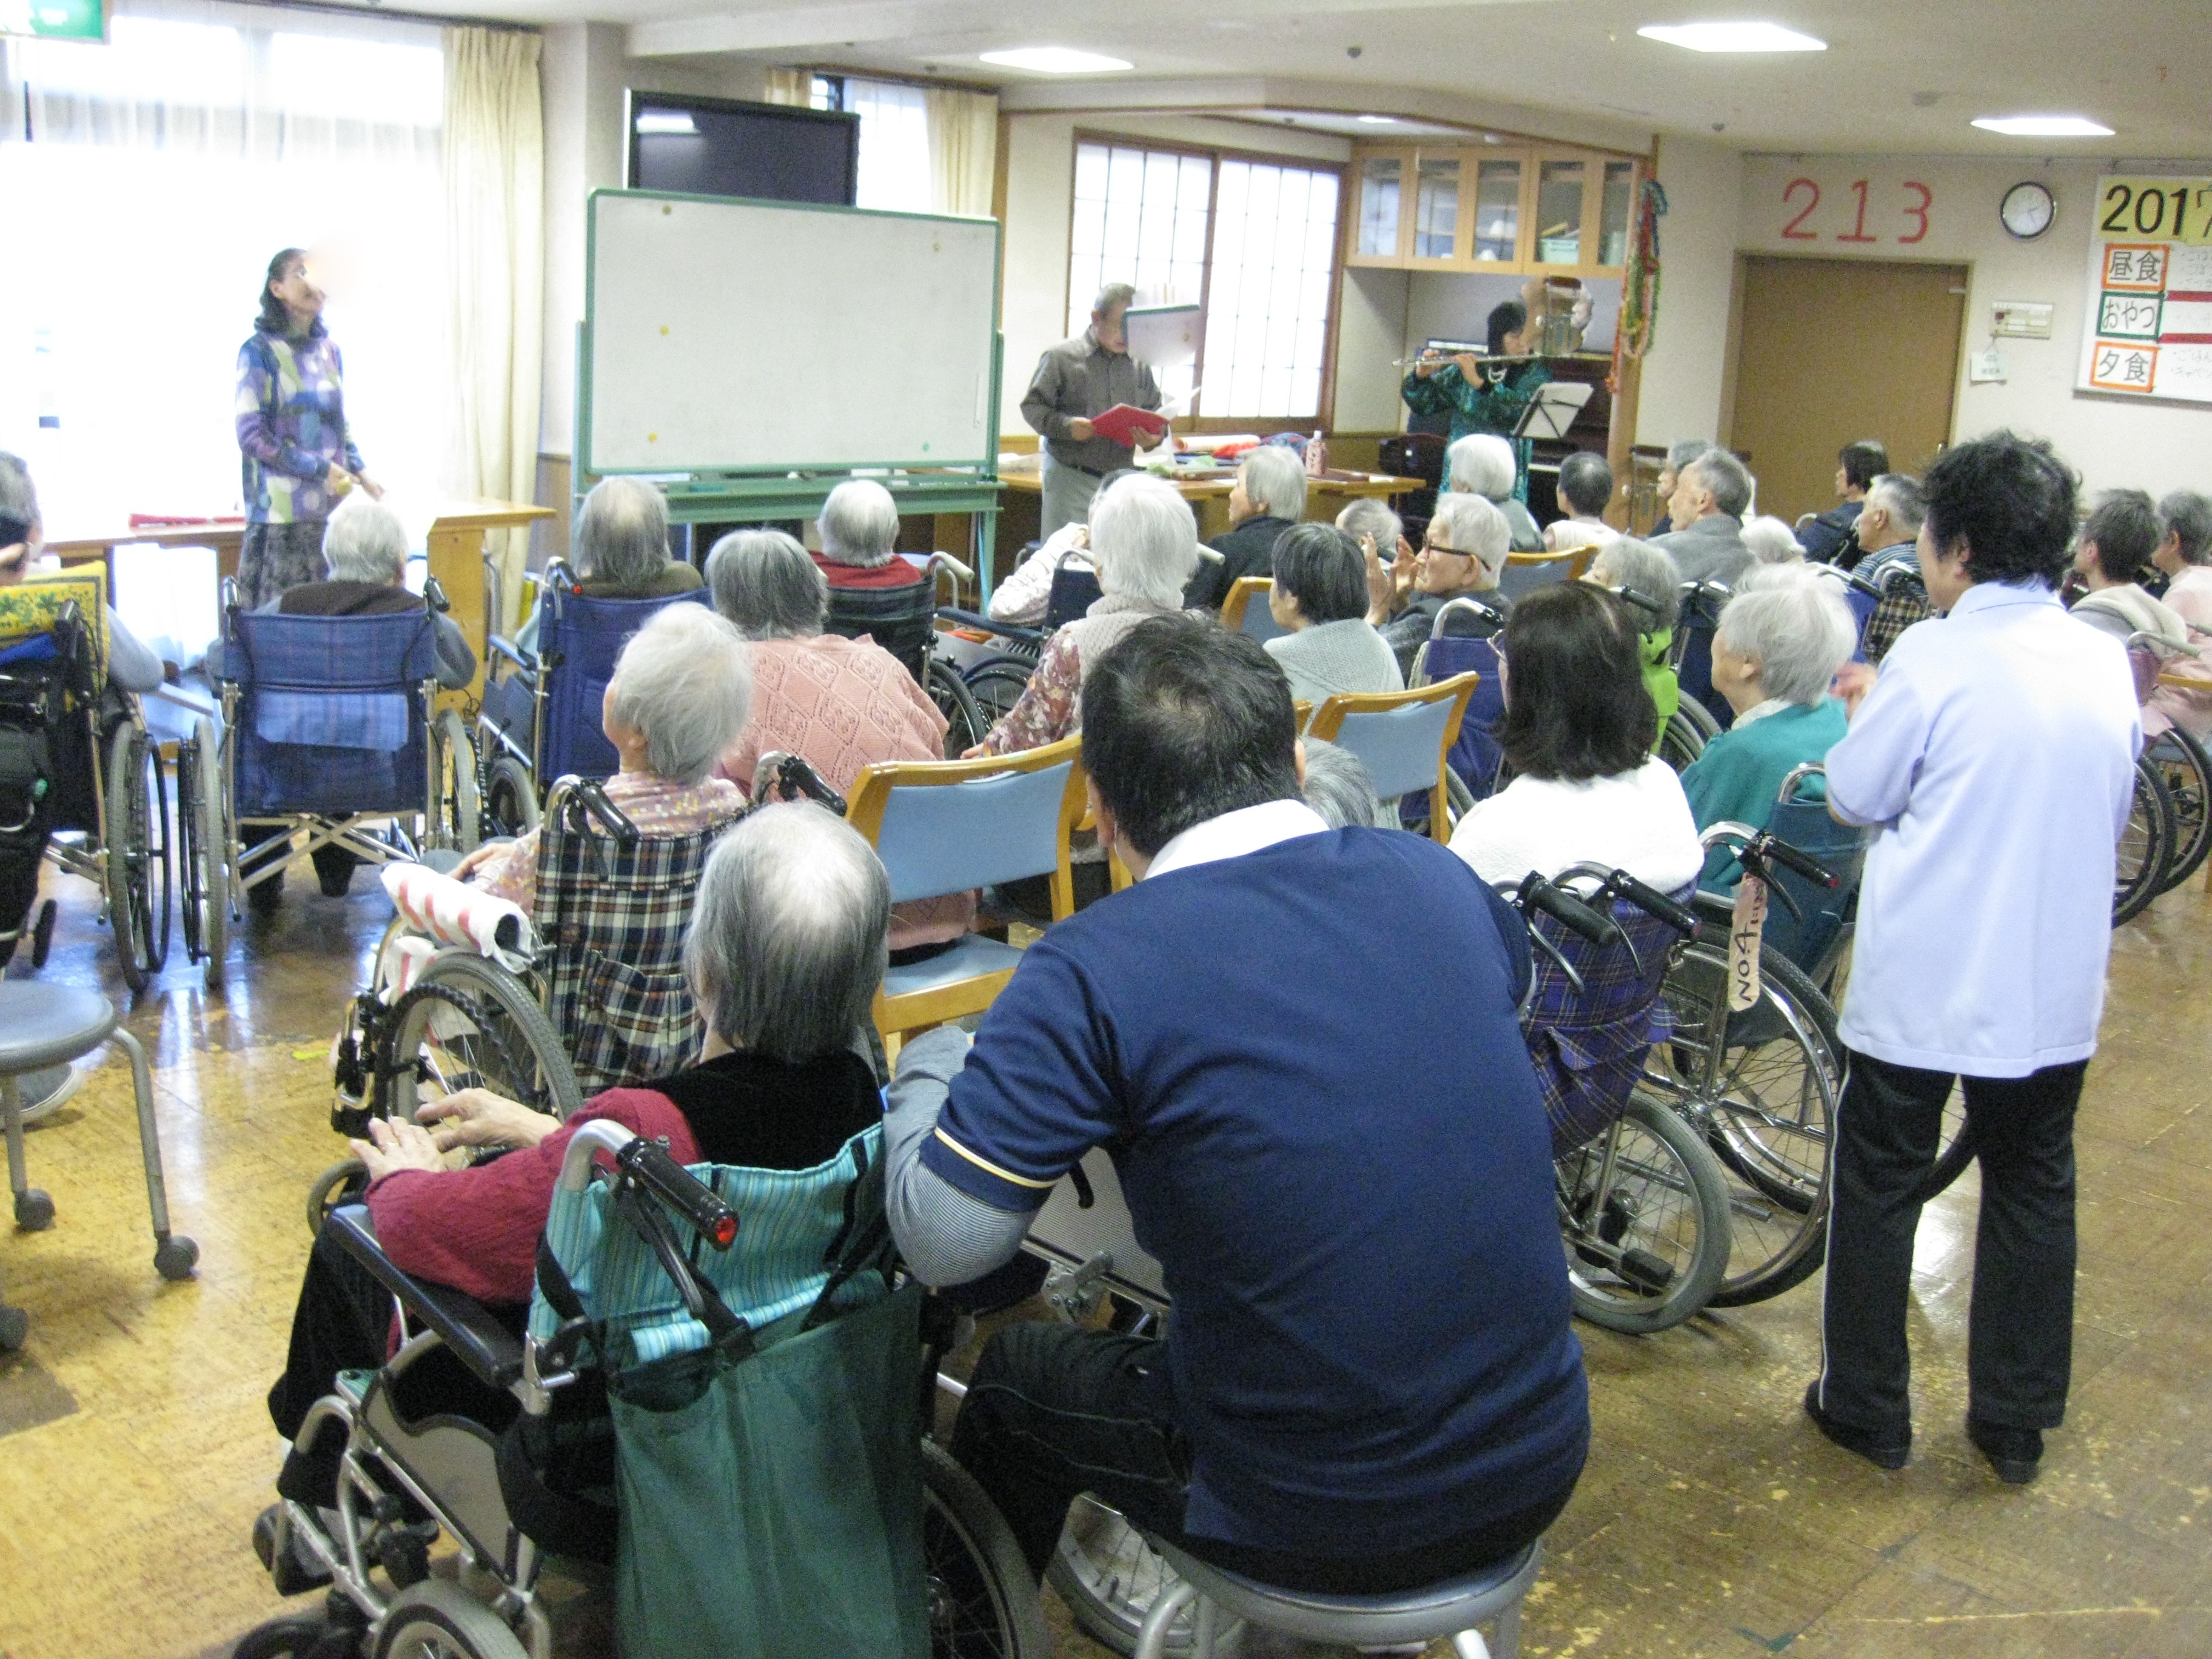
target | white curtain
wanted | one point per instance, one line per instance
(496, 229)
(791, 85)
(963, 149)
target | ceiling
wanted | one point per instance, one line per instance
(1903, 75)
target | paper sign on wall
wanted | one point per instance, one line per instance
(2149, 331)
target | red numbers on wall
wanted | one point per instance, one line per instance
(1804, 195)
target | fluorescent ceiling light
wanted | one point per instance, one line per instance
(667, 123)
(2044, 126)
(1732, 37)
(1379, 120)
(1055, 60)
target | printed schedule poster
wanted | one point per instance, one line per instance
(2149, 331)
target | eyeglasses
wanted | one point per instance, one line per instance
(1429, 545)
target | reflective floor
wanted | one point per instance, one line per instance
(134, 1449)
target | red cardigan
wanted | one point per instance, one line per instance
(476, 1228)
(894, 572)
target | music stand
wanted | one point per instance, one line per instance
(1553, 410)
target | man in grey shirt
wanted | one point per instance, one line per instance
(1711, 494)
(1075, 381)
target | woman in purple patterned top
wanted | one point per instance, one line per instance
(297, 458)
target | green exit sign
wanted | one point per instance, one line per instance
(54, 20)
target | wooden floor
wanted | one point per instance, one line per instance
(134, 1449)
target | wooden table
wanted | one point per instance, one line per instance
(455, 550)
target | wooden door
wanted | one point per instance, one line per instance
(1833, 350)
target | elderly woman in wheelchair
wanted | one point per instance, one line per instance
(786, 951)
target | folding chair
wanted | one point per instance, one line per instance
(947, 826)
(1246, 611)
(1402, 737)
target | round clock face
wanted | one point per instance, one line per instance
(2028, 210)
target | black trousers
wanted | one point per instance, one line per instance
(2020, 1333)
(1053, 1411)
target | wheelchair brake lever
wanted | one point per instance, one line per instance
(1538, 941)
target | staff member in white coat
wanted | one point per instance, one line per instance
(1076, 381)
(1994, 759)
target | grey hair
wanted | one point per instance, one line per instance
(1771, 541)
(1482, 464)
(1900, 494)
(859, 523)
(1274, 481)
(364, 542)
(763, 581)
(622, 533)
(1647, 568)
(1683, 451)
(18, 496)
(1338, 786)
(1143, 541)
(1727, 478)
(1794, 621)
(1113, 293)
(684, 681)
(2186, 512)
(1477, 528)
(1369, 517)
(789, 934)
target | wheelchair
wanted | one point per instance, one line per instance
(2180, 762)
(1696, 622)
(81, 784)
(996, 680)
(413, 1469)
(903, 621)
(330, 729)
(540, 721)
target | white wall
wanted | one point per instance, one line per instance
(1684, 375)
(1040, 196)
(583, 76)
(2111, 439)
(1371, 311)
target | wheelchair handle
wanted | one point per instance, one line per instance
(1653, 902)
(1763, 850)
(946, 561)
(649, 1162)
(1641, 600)
(1537, 894)
(434, 595)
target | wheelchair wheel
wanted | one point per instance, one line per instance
(982, 1602)
(1761, 1085)
(344, 1182)
(1683, 739)
(964, 724)
(458, 808)
(2146, 845)
(510, 799)
(136, 859)
(436, 1619)
(465, 1024)
(997, 684)
(1644, 1210)
(202, 850)
(1954, 1152)
(1110, 1577)
(2186, 771)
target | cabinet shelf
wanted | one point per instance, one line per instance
(1508, 211)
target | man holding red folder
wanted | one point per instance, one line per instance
(1089, 401)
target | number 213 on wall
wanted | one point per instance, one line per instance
(1804, 195)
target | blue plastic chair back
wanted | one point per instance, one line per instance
(1074, 590)
(1258, 622)
(948, 837)
(1475, 753)
(578, 641)
(1398, 746)
(1693, 669)
(1518, 578)
(332, 718)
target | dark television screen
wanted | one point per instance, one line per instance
(720, 147)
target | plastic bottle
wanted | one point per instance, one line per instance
(1317, 456)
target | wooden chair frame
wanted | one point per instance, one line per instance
(1241, 592)
(1328, 721)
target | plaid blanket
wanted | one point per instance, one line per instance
(1588, 1047)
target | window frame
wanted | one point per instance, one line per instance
(1324, 415)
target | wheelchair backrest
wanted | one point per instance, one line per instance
(613, 917)
(578, 639)
(1589, 1044)
(900, 619)
(1074, 590)
(1813, 938)
(39, 607)
(332, 715)
(49, 718)
(1693, 647)
(1475, 753)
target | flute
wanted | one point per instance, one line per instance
(1446, 356)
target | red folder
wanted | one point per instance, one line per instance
(1125, 423)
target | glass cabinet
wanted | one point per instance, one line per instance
(1559, 187)
(1497, 209)
(1436, 208)
(1480, 207)
(1380, 181)
(1615, 212)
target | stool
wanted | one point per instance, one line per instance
(43, 1025)
(1452, 1609)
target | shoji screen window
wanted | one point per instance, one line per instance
(1267, 309)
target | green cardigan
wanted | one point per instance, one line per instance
(1738, 776)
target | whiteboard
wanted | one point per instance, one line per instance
(725, 335)
(2149, 329)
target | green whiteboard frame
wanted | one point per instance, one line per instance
(985, 465)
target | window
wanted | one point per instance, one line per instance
(893, 172)
(1252, 242)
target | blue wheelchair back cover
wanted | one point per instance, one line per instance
(578, 641)
(1474, 754)
(332, 720)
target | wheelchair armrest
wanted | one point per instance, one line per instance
(465, 1325)
(506, 649)
(1003, 630)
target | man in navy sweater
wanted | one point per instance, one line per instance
(1300, 1047)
